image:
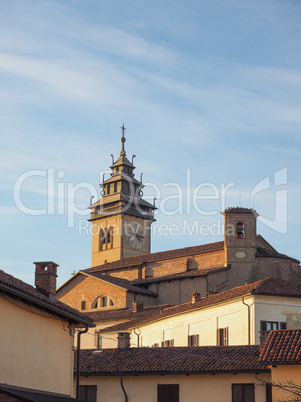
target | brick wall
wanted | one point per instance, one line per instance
(89, 289)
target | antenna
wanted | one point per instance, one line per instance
(134, 156)
(141, 177)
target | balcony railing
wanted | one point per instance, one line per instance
(122, 209)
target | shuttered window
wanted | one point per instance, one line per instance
(168, 393)
(87, 393)
(243, 393)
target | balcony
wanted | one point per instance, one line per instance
(121, 209)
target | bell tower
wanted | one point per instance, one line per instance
(121, 219)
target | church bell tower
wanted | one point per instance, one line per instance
(121, 219)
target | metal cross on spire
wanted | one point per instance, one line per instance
(123, 130)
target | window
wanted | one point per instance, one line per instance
(222, 336)
(243, 393)
(268, 326)
(87, 393)
(98, 340)
(268, 391)
(105, 238)
(102, 239)
(168, 392)
(167, 344)
(83, 305)
(240, 230)
(102, 301)
(115, 187)
(193, 340)
(108, 188)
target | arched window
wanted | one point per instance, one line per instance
(108, 236)
(240, 230)
(102, 302)
(102, 239)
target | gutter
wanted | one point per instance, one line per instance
(249, 325)
(78, 358)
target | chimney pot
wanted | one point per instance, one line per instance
(137, 306)
(196, 297)
(45, 278)
(123, 341)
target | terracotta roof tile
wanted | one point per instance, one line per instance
(264, 252)
(176, 360)
(160, 256)
(268, 286)
(282, 347)
(9, 284)
(123, 283)
(125, 313)
(180, 275)
(240, 210)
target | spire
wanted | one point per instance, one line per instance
(123, 129)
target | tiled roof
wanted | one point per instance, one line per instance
(13, 286)
(160, 256)
(176, 360)
(32, 395)
(282, 347)
(180, 275)
(240, 210)
(268, 287)
(123, 283)
(264, 252)
(125, 313)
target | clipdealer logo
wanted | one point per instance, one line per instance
(173, 199)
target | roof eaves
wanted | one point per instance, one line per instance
(49, 307)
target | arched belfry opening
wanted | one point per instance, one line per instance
(240, 230)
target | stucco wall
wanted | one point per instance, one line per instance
(36, 349)
(285, 375)
(193, 388)
(232, 315)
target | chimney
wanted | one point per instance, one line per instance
(137, 306)
(45, 278)
(196, 297)
(263, 337)
(124, 341)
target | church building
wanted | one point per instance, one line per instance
(124, 273)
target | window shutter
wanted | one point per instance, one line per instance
(263, 326)
(226, 336)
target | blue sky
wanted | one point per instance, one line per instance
(208, 89)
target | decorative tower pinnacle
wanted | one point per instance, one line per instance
(123, 130)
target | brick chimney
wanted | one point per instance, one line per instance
(137, 306)
(196, 297)
(45, 278)
(124, 341)
(263, 337)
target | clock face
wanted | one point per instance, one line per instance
(135, 235)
